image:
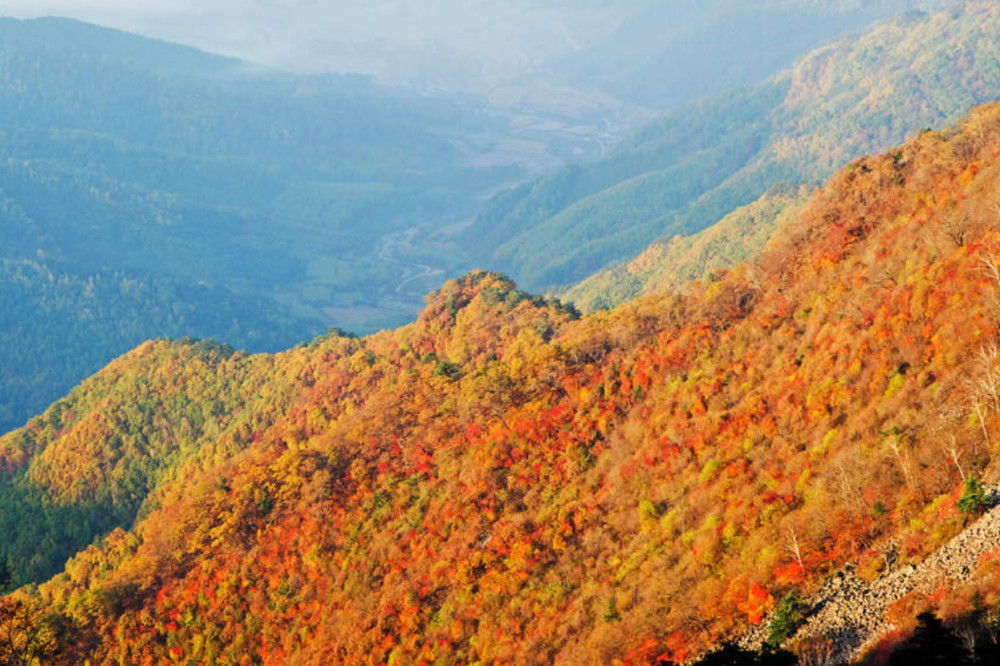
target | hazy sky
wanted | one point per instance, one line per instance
(482, 46)
(345, 34)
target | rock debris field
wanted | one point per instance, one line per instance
(852, 613)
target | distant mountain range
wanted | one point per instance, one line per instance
(638, 52)
(695, 165)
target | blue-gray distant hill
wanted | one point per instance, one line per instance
(150, 190)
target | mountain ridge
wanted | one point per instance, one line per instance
(504, 480)
(669, 265)
(171, 54)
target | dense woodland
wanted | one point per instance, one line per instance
(77, 320)
(696, 164)
(672, 264)
(507, 481)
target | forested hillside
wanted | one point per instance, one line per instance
(695, 165)
(506, 481)
(671, 264)
(78, 318)
(134, 154)
(663, 55)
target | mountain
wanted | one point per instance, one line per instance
(695, 165)
(565, 79)
(140, 154)
(57, 325)
(504, 480)
(203, 196)
(595, 47)
(150, 190)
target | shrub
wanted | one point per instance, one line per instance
(789, 614)
(973, 499)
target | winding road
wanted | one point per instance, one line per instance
(389, 251)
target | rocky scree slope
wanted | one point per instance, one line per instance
(848, 615)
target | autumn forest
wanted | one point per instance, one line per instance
(697, 465)
(507, 481)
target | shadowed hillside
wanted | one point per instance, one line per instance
(148, 189)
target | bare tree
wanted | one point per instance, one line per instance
(849, 487)
(897, 441)
(989, 378)
(815, 650)
(989, 264)
(792, 547)
(977, 407)
(953, 452)
(956, 227)
(983, 389)
(890, 555)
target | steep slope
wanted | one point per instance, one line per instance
(503, 482)
(855, 613)
(90, 463)
(669, 265)
(292, 202)
(697, 164)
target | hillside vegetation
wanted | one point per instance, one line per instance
(695, 165)
(78, 319)
(670, 265)
(663, 55)
(505, 481)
